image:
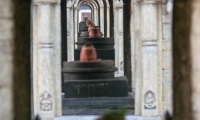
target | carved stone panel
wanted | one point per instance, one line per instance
(149, 100)
(46, 102)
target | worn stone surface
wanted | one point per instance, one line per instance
(6, 9)
(167, 106)
(118, 37)
(6, 28)
(167, 76)
(195, 53)
(167, 92)
(6, 61)
(167, 32)
(166, 19)
(167, 60)
(167, 45)
(46, 59)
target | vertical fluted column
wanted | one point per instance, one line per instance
(151, 94)
(118, 34)
(70, 31)
(46, 46)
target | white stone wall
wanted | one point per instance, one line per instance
(6, 60)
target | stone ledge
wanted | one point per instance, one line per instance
(93, 117)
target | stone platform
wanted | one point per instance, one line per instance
(112, 87)
(92, 79)
(96, 106)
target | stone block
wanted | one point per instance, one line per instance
(6, 9)
(164, 10)
(167, 32)
(167, 45)
(163, 1)
(166, 19)
(112, 87)
(6, 29)
(167, 60)
(167, 92)
(167, 76)
(6, 100)
(6, 52)
(167, 106)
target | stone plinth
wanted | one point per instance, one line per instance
(104, 47)
(93, 79)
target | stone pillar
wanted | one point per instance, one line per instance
(6, 61)
(70, 31)
(195, 54)
(119, 40)
(102, 17)
(108, 18)
(135, 44)
(76, 22)
(46, 58)
(149, 92)
(96, 16)
(167, 57)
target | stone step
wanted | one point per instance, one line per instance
(96, 106)
(112, 87)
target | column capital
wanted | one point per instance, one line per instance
(119, 4)
(69, 4)
(149, 1)
(40, 2)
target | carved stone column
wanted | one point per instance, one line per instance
(70, 31)
(118, 34)
(46, 59)
(149, 95)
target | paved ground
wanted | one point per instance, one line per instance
(87, 117)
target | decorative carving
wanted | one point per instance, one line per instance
(46, 45)
(149, 102)
(46, 102)
(149, 42)
(119, 4)
(69, 4)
